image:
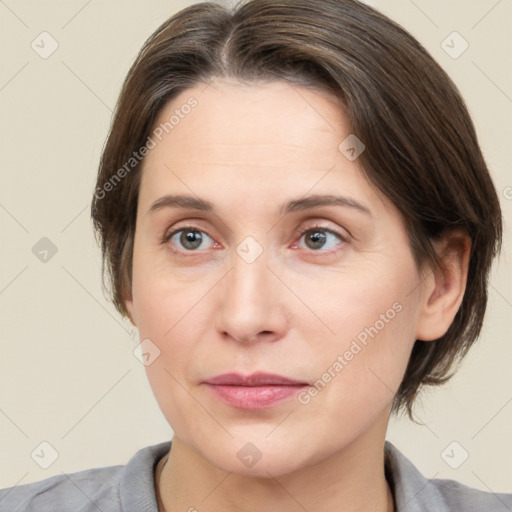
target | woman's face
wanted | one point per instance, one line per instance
(267, 280)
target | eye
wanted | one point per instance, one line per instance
(193, 239)
(189, 237)
(319, 237)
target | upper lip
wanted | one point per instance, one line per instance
(255, 379)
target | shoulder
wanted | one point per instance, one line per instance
(414, 492)
(461, 497)
(109, 489)
(81, 491)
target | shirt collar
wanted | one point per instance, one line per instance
(137, 484)
(411, 490)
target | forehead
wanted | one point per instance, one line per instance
(264, 141)
(261, 124)
(267, 122)
(252, 151)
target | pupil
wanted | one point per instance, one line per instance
(318, 239)
(192, 239)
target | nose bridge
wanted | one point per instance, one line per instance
(248, 284)
(250, 303)
(250, 272)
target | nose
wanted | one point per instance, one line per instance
(251, 303)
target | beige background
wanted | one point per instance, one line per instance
(67, 372)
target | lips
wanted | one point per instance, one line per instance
(255, 379)
(255, 391)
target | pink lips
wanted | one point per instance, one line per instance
(256, 391)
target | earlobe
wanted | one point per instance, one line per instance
(444, 287)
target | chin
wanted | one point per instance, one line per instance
(259, 457)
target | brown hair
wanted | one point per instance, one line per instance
(421, 146)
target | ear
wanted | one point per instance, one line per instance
(444, 287)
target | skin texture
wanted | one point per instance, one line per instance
(248, 149)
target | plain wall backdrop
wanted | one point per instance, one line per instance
(68, 375)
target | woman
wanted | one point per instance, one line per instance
(295, 214)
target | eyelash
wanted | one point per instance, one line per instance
(299, 232)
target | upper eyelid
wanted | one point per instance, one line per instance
(176, 229)
(197, 227)
(302, 230)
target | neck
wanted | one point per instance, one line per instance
(350, 480)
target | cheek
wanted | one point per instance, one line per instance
(175, 319)
(168, 313)
(164, 297)
(361, 365)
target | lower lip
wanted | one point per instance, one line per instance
(254, 397)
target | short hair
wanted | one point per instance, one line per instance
(421, 149)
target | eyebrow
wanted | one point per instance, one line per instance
(316, 200)
(194, 203)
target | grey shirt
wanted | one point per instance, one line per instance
(130, 488)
